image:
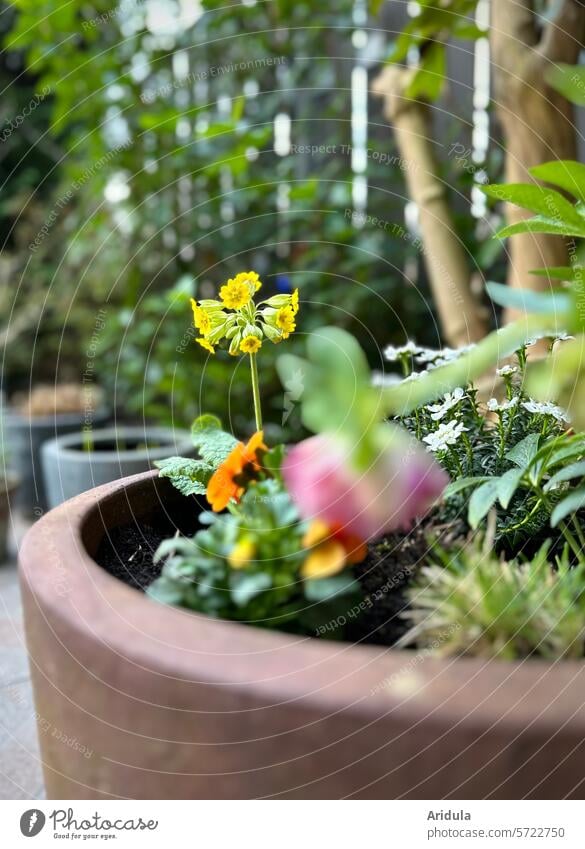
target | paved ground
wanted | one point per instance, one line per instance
(20, 769)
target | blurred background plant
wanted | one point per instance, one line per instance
(175, 142)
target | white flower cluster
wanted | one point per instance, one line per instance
(537, 408)
(506, 371)
(446, 434)
(435, 358)
(546, 409)
(450, 400)
(393, 354)
(381, 380)
(495, 406)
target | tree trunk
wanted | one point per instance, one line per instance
(537, 122)
(462, 318)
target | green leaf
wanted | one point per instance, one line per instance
(338, 352)
(429, 80)
(561, 272)
(165, 591)
(409, 395)
(575, 470)
(565, 173)
(507, 485)
(324, 589)
(569, 80)
(524, 452)
(524, 299)
(569, 505)
(245, 586)
(540, 224)
(272, 460)
(463, 483)
(213, 443)
(565, 453)
(481, 502)
(537, 199)
(188, 476)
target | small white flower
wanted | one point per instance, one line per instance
(414, 375)
(546, 408)
(530, 342)
(563, 337)
(450, 400)
(392, 353)
(427, 355)
(445, 355)
(446, 434)
(506, 370)
(381, 379)
(494, 405)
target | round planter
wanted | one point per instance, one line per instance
(71, 467)
(8, 490)
(24, 436)
(136, 699)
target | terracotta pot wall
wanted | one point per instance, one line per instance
(175, 705)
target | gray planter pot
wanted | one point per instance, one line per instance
(69, 468)
(24, 436)
(8, 490)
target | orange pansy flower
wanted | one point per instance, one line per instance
(237, 470)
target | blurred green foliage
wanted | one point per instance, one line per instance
(168, 182)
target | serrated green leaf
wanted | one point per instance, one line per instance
(568, 505)
(574, 470)
(463, 483)
(481, 502)
(213, 443)
(524, 452)
(507, 485)
(190, 477)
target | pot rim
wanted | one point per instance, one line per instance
(11, 415)
(67, 585)
(174, 441)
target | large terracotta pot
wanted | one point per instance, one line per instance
(139, 700)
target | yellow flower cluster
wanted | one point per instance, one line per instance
(239, 321)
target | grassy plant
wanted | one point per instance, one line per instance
(468, 601)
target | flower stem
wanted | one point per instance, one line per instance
(256, 391)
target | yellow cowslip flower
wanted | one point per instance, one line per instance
(285, 321)
(241, 554)
(248, 277)
(294, 301)
(250, 344)
(236, 293)
(201, 318)
(206, 344)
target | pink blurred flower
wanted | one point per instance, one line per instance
(401, 484)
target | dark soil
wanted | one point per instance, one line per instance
(127, 553)
(386, 573)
